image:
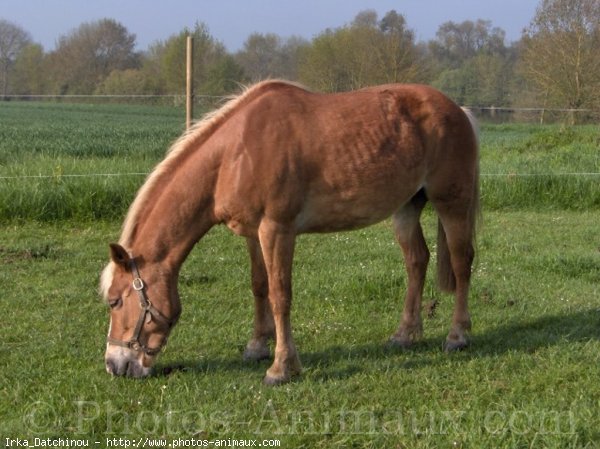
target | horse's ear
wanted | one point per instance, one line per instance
(119, 255)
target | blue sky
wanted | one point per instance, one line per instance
(231, 21)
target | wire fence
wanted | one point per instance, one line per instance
(89, 96)
(486, 114)
(489, 175)
(541, 115)
(491, 114)
(176, 100)
(67, 175)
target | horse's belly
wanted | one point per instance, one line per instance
(361, 185)
(330, 213)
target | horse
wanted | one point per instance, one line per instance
(279, 160)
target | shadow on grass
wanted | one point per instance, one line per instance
(532, 335)
(338, 362)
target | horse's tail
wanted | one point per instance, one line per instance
(445, 274)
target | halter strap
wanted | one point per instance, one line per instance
(147, 313)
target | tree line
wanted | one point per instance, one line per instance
(556, 63)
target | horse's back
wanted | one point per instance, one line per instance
(330, 162)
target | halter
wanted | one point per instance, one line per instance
(147, 313)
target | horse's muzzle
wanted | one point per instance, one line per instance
(129, 368)
(125, 362)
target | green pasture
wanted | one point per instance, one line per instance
(529, 378)
(51, 156)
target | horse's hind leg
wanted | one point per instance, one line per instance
(416, 256)
(264, 328)
(457, 238)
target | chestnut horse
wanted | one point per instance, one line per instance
(277, 161)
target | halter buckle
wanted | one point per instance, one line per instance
(138, 284)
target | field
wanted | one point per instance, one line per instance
(45, 148)
(529, 379)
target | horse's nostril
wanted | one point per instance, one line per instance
(111, 367)
(131, 370)
(135, 370)
(117, 369)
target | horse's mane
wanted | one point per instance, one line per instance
(198, 133)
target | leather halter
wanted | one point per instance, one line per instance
(147, 313)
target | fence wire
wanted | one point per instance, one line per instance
(489, 113)
(492, 113)
(99, 175)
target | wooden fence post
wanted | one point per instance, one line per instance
(189, 87)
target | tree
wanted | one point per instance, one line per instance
(291, 53)
(86, 56)
(124, 82)
(260, 56)
(398, 56)
(560, 58)
(29, 71)
(363, 53)
(168, 61)
(223, 77)
(456, 43)
(365, 19)
(12, 41)
(473, 65)
(151, 68)
(269, 56)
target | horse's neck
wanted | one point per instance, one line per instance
(182, 211)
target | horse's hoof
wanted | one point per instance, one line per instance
(399, 343)
(279, 376)
(274, 381)
(455, 345)
(256, 354)
(406, 336)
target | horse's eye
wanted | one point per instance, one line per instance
(113, 303)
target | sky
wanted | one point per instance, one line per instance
(232, 21)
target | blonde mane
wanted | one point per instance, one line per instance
(198, 133)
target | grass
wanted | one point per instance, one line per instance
(50, 154)
(542, 167)
(46, 147)
(529, 378)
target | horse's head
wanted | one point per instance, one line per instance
(144, 306)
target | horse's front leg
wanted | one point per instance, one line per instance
(416, 256)
(264, 327)
(277, 242)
